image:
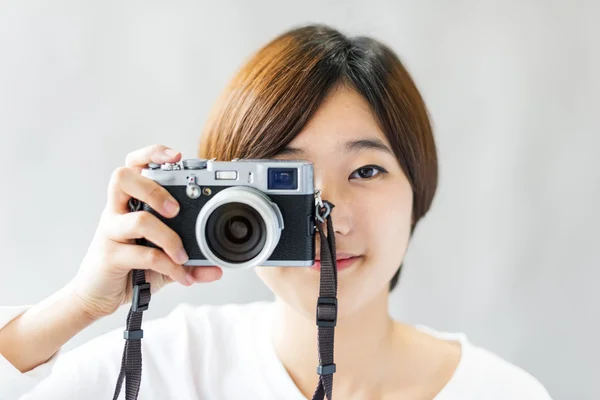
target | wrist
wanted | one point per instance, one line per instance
(32, 338)
(81, 308)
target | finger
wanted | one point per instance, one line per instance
(125, 183)
(142, 224)
(206, 274)
(131, 256)
(157, 153)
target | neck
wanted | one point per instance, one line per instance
(364, 346)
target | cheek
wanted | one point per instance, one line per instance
(384, 222)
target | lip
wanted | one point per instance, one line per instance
(343, 261)
(340, 255)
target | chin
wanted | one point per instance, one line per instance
(358, 285)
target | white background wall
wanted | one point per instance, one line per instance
(508, 253)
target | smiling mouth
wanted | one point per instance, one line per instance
(340, 255)
(343, 262)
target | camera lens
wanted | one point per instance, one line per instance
(238, 227)
(235, 232)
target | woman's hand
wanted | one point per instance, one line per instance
(103, 282)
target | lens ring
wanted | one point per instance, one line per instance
(257, 200)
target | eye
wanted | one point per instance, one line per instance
(367, 172)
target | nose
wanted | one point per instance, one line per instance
(341, 214)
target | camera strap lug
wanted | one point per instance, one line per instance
(322, 209)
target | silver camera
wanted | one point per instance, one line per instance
(241, 213)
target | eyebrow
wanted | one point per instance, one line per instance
(354, 146)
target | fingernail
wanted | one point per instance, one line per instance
(171, 207)
(190, 278)
(182, 256)
(171, 152)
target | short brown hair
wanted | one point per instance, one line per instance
(275, 94)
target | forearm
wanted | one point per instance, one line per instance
(32, 338)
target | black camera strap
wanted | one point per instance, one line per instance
(327, 307)
(131, 362)
(326, 317)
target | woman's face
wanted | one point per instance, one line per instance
(357, 171)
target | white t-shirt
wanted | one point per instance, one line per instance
(221, 353)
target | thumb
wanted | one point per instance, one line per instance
(157, 280)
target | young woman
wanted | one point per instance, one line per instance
(348, 106)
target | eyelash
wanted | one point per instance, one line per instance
(380, 170)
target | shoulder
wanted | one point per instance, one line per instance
(501, 376)
(483, 374)
(169, 338)
(209, 316)
(189, 325)
(205, 340)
